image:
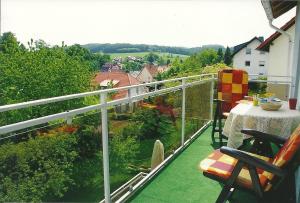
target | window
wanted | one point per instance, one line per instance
(261, 52)
(248, 51)
(261, 64)
(247, 63)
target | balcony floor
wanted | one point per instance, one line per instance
(181, 180)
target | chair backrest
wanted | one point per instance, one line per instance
(232, 87)
(285, 154)
(288, 150)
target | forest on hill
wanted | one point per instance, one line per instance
(131, 48)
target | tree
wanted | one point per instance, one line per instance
(207, 57)
(124, 146)
(227, 57)
(37, 169)
(132, 66)
(161, 61)
(41, 73)
(151, 57)
(220, 55)
(151, 123)
(95, 60)
(9, 44)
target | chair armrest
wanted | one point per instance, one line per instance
(219, 100)
(252, 161)
(264, 136)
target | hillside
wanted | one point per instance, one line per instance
(135, 48)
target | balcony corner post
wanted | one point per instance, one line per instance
(211, 101)
(183, 113)
(104, 124)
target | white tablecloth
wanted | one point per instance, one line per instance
(281, 122)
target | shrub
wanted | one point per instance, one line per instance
(123, 150)
(38, 169)
(89, 141)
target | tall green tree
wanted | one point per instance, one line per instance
(151, 57)
(96, 60)
(38, 73)
(220, 55)
(9, 44)
(227, 57)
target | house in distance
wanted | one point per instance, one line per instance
(245, 56)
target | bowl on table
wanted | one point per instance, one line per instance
(271, 106)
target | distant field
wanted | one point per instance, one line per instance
(141, 54)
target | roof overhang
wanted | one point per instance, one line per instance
(275, 8)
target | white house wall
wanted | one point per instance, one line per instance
(255, 57)
(278, 56)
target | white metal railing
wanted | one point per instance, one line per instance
(104, 105)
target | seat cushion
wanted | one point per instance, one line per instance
(222, 165)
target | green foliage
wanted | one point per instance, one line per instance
(151, 57)
(89, 141)
(131, 48)
(132, 130)
(40, 72)
(192, 65)
(207, 57)
(228, 57)
(9, 44)
(151, 123)
(161, 61)
(37, 169)
(132, 66)
(123, 149)
(96, 60)
(220, 55)
(213, 68)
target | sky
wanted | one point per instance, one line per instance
(187, 23)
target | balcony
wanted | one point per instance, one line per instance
(181, 181)
(183, 108)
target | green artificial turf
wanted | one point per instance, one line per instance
(181, 180)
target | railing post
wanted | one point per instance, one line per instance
(104, 124)
(211, 98)
(130, 104)
(183, 113)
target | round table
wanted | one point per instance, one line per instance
(245, 115)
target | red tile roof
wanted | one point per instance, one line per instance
(124, 79)
(264, 46)
(152, 69)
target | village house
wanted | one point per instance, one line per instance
(246, 57)
(162, 69)
(118, 79)
(111, 67)
(280, 48)
(148, 73)
(134, 73)
(117, 60)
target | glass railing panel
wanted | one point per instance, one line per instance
(133, 130)
(197, 107)
(280, 90)
(53, 162)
